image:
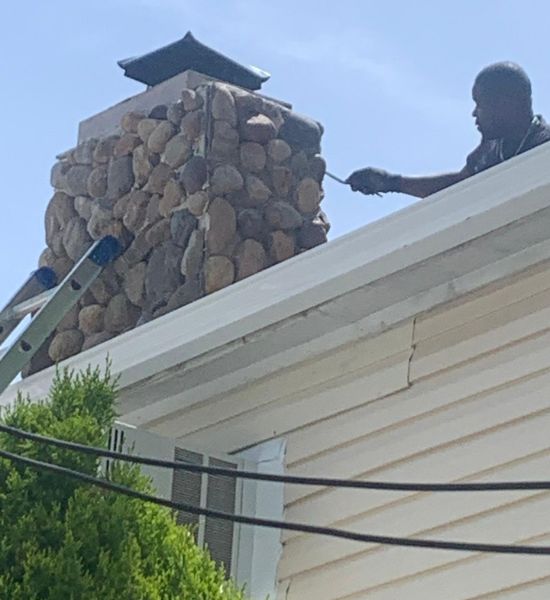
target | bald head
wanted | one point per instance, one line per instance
(502, 93)
(505, 79)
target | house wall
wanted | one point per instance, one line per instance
(457, 394)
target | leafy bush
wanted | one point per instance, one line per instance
(65, 540)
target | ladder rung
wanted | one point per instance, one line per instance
(42, 279)
(28, 306)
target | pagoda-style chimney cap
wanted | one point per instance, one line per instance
(188, 53)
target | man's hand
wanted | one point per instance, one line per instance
(373, 181)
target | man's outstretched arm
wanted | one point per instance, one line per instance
(373, 181)
(426, 186)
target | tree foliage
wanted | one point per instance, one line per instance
(65, 540)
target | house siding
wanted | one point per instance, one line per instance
(459, 394)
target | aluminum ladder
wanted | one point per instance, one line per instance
(41, 293)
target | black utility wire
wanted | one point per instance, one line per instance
(291, 479)
(291, 526)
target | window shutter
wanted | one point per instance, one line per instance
(207, 491)
(186, 487)
(221, 495)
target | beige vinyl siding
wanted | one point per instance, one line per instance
(313, 390)
(459, 394)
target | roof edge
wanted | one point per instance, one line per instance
(313, 287)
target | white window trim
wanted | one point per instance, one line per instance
(260, 548)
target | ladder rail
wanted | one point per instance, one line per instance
(55, 306)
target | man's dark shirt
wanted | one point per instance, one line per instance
(489, 152)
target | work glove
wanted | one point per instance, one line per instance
(373, 181)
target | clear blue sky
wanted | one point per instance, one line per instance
(389, 80)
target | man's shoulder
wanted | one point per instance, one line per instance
(543, 126)
(482, 157)
(541, 133)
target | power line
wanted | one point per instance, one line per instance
(275, 524)
(290, 479)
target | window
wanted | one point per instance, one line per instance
(209, 491)
(249, 554)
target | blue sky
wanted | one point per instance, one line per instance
(390, 81)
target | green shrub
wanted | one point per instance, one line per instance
(65, 540)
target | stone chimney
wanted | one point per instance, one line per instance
(205, 182)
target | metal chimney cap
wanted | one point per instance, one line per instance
(188, 53)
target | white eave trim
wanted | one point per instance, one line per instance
(512, 192)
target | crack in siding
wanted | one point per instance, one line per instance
(412, 351)
(287, 591)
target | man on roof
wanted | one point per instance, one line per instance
(504, 116)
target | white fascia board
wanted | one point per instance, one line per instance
(217, 325)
